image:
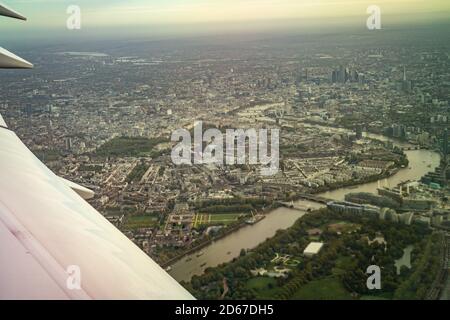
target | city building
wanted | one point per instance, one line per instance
(312, 249)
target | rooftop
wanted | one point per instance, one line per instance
(313, 248)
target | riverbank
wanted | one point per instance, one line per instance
(227, 248)
(333, 275)
(275, 205)
(368, 131)
(352, 183)
(207, 242)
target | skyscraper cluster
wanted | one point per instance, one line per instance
(343, 75)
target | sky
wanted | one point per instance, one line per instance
(159, 16)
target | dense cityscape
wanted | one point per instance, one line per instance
(364, 122)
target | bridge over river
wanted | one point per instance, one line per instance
(305, 196)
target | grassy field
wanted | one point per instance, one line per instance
(324, 289)
(137, 173)
(265, 287)
(128, 147)
(342, 226)
(136, 222)
(215, 219)
(343, 263)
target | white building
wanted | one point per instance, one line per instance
(312, 249)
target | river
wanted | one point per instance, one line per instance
(248, 237)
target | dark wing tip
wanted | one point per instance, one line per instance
(7, 12)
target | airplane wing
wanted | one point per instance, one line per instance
(54, 245)
(83, 192)
(46, 227)
(7, 12)
(8, 59)
(2, 122)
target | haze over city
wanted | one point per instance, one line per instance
(163, 18)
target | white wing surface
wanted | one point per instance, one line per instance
(47, 229)
(2, 122)
(9, 60)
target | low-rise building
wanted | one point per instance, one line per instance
(312, 249)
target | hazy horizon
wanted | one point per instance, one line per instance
(172, 18)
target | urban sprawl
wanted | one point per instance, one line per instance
(351, 110)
